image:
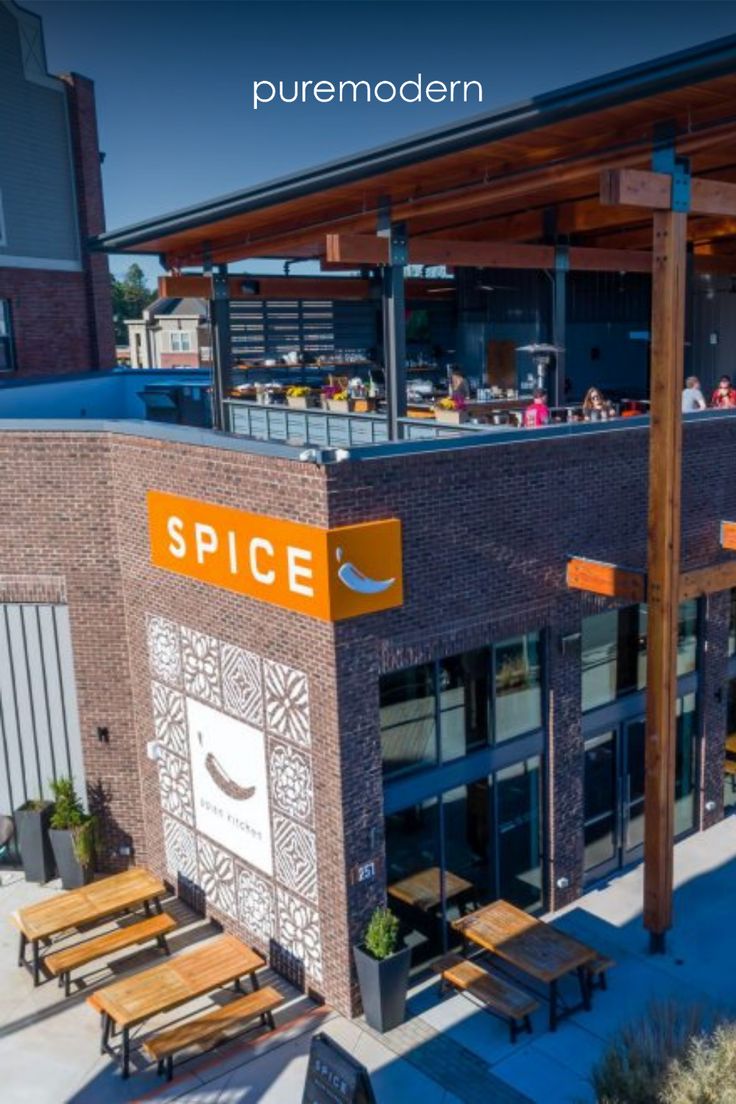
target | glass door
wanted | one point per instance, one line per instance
(614, 798)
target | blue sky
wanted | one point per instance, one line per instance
(173, 78)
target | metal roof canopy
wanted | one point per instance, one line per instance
(498, 172)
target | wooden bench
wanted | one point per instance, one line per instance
(497, 994)
(61, 963)
(211, 1027)
(596, 971)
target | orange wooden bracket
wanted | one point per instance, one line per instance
(728, 535)
(606, 579)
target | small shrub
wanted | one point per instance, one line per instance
(707, 1072)
(382, 934)
(633, 1068)
(69, 814)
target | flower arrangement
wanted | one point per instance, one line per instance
(449, 403)
(298, 392)
(330, 390)
(341, 396)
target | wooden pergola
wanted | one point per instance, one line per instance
(634, 172)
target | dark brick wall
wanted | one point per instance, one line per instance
(486, 534)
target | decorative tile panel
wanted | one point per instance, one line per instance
(201, 664)
(296, 857)
(217, 876)
(175, 781)
(299, 932)
(164, 652)
(242, 691)
(169, 718)
(291, 781)
(255, 904)
(181, 849)
(287, 702)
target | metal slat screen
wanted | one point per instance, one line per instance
(39, 725)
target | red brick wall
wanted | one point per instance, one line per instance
(50, 321)
(179, 360)
(486, 535)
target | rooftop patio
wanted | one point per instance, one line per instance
(448, 1050)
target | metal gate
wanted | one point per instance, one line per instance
(39, 723)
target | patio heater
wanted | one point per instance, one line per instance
(541, 355)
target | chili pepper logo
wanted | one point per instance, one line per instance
(355, 580)
(222, 779)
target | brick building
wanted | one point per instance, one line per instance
(55, 301)
(296, 676)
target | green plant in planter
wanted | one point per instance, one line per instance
(69, 816)
(382, 934)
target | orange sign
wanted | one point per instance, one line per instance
(326, 573)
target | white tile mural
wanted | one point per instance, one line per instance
(287, 702)
(164, 650)
(201, 663)
(233, 753)
(176, 785)
(296, 857)
(291, 781)
(299, 932)
(217, 876)
(169, 719)
(181, 849)
(242, 689)
(255, 905)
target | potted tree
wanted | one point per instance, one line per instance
(32, 832)
(72, 836)
(383, 972)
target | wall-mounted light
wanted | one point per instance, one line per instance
(103, 735)
(562, 883)
(570, 642)
(710, 806)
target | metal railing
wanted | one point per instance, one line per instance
(325, 429)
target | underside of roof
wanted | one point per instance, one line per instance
(520, 174)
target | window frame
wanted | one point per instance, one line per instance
(7, 339)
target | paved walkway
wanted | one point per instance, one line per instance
(447, 1052)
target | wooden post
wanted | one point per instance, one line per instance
(665, 464)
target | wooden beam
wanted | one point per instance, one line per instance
(638, 188)
(607, 579)
(357, 249)
(707, 580)
(291, 287)
(663, 573)
(728, 535)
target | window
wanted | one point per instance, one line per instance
(614, 651)
(181, 341)
(439, 712)
(732, 624)
(7, 347)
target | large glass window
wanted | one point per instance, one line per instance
(471, 845)
(732, 624)
(7, 347)
(437, 712)
(518, 686)
(729, 762)
(408, 719)
(685, 768)
(614, 651)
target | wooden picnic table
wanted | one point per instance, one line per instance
(86, 905)
(422, 890)
(179, 979)
(530, 945)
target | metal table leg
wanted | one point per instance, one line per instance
(22, 950)
(106, 1025)
(553, 1005)
(126, 1052)
(254, 980)
(586, 986)
(36, 963)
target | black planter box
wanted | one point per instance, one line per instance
(383, 985)
(32, 835)
(72, 873)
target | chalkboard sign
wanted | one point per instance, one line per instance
(334, 1076)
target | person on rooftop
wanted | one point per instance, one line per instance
(692, 396)
(537, 413)
(459, 386)
(724, 394)
(595, 404)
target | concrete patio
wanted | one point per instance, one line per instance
(448, 1050)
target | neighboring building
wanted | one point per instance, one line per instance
(55, 302)
(173, 333)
